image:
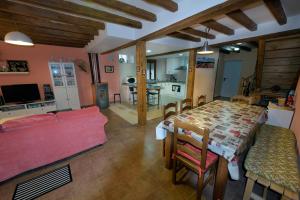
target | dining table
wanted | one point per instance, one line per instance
(232, 127)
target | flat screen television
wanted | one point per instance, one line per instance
(21, 93)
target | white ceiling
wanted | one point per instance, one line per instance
(116, 35)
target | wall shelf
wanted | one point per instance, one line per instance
(13, 73)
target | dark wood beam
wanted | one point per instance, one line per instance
(218, 27)
(194, 32)
(241, 18)
(46, 23)
(141, 65)
(31, 29)
(198, 18)
(30, 11)
(277, 11)
(184, 37)
(166, 4)
(260, 62)
(191, 74)
(74, 8)
(127, 8)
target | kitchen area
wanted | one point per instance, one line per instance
(166, 83)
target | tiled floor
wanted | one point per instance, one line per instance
(129, 166)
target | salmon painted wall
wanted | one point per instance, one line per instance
(296, 121)
(113, 79)
(38, 57)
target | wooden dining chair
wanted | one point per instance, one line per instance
(169, 110)
(240, 99)
(186, 104)
(193, 154)
(201, 100)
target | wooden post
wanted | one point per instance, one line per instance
(260, 62)
(191, 74)
(141, 82)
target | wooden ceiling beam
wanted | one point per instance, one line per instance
(241, 18)
(184, 37)
(197, 33)
(31, 29)
(277, 11)
(198, 18)
(126, 8)
(212, 24)
(30, 11)
(46, 23)
(77, 9)
(166, 4)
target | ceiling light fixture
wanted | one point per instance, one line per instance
(239, 43)
(236, 49)
(18, 38)
(149, 51)
(206, 49)
(180, 54)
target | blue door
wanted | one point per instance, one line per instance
(231, 78)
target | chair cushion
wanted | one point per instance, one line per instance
(211, 158)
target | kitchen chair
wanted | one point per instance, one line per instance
(240, 99)
(133, 92)
(186, 104)
(151, 95)
(201, 100)
(193, 154)
(171, 109)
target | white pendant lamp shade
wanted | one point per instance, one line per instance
(205, 49)
(18, 38)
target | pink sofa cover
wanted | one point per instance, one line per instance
(31, 142)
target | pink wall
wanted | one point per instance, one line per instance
(296, 121)
(113, 79)
(38, 57)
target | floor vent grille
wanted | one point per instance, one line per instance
(38, 186)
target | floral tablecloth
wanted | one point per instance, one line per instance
(231, 127)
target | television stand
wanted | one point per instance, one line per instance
(39, 107)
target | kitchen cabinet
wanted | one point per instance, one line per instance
(173, 63)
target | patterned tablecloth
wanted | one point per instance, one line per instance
(231, 126)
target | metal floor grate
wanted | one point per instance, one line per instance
(43, 184)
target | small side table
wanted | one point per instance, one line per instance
(117, 94)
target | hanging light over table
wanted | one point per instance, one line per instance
(18, 38)
(206, 49)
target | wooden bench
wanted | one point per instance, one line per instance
(272, 162)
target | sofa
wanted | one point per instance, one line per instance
(34, 141)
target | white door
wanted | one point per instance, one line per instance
(71, 85)
(231, 78)
(59, 87)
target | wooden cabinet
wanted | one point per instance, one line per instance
(64, 85)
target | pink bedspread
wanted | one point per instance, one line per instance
(35, 141)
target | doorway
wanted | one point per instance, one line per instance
(231, 78)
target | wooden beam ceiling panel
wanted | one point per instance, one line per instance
(198, 18)
(31, 29)
(127, 8)
(166, 4)
(197, 33)
(46, 23)
(212, 24)
(277, 11)
(30, 11)
(184, 37)
(74, 8)
(241, 18)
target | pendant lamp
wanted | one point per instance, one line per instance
(18, 38)
(206, 49)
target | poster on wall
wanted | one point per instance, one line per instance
(205, 62)
(17, 66)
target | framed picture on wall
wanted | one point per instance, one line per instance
(205, 62)
(109, 69)
(17, 66)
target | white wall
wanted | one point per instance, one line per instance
(205, 79)
(248, 66)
